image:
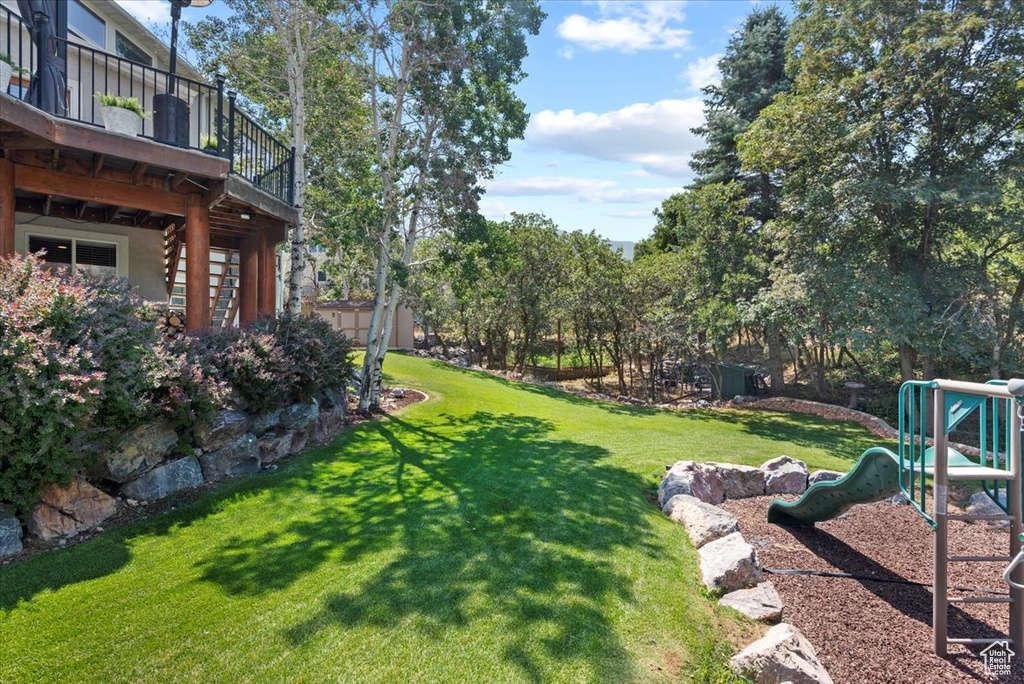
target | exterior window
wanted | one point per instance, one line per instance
(87, 24)
(317, 249)
(97, 258)
(129, 50)
(321, 276)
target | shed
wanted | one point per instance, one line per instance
(734, 379)
(352, 317)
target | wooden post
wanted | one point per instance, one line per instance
(267, 285)
(248, 266)
(6, 208)
(197, 264)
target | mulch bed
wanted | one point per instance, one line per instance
(867, 631)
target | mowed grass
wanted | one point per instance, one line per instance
(496, 533)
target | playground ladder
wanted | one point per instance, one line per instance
(943, 474)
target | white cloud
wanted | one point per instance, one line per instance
(629, 27)
(148, 11)
(494, 210)
(655, 136)
(588, 190)
(702, 72)
(631, 214)
(566, 53)
(638, 173)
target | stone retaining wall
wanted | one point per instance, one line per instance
(148, 464)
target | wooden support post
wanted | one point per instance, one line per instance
(197, 264)
(248, 267)
(6, 208)
(267, 285)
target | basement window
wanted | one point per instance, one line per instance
(84, 256)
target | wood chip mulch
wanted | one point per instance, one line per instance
(866, 631)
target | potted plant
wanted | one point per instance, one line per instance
(209, 143)
(7, 69)
(121, 114)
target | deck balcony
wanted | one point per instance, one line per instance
(193, 210)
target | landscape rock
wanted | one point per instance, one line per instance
(264, 422)
(740, 481)
(823, 476)
(729, 563)
(164, 480)
(899, 499)
(329, 424)
(982, 504)
(759, 603)
(10, 533)
(240, 457)
(67, 510)
(300, 439)
(398, 393)
(141, 449)
(785, 475)
(783, 654)
(334, 397)
(299, 416)
(221, 429)
(693, 479)
(704, 522)
(274, 446)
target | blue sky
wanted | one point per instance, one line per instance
(613, 89)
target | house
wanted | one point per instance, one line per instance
(352, 317)
(190, 210)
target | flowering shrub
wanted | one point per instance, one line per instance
(81, 362)
(49, 381)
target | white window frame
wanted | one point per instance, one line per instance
(120, 242)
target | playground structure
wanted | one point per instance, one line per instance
(995, 463)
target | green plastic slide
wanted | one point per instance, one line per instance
(876, 476)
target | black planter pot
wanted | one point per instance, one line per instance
(170, 120)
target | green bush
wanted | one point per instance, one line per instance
(81, 362)
(50, 384)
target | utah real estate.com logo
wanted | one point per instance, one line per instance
(998, 658)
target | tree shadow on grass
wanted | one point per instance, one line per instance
(489, 519)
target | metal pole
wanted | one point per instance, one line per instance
(1013, 500)
(175, 16)
(220, 114)
(231, 128)
(940, 602)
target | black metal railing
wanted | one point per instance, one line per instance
(210, 124)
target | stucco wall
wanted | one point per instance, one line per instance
(145, 260)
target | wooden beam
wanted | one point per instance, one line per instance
(44, 182)
(21, 141)
(81, 212)
(176, 179)
(197, 264)
(248, 267)
(142, 216)
(266, 296)
(97, 163)
(138, 172)
(46, 205)
(247, 193)
(55, 161)
(216, 193)
(7, 208)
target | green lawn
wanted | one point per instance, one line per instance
(497, 533)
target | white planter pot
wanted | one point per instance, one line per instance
(6, 71)
(121, 120)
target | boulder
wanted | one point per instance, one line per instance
(10, 533)
(329, 423)
(264, 421)
(729, 563)
(140, 450)
(785, 475)
(166, 479)
(693, 479)
(240, 457)
(783, 654)
(64, 511)
(740, 481)
(704, 522)
(823, 476)
(274, 446)
(759, 603)
(398, 393)
(335, 397)
(221, 429)
(299, 416)
(300, 439)
(982, 504)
